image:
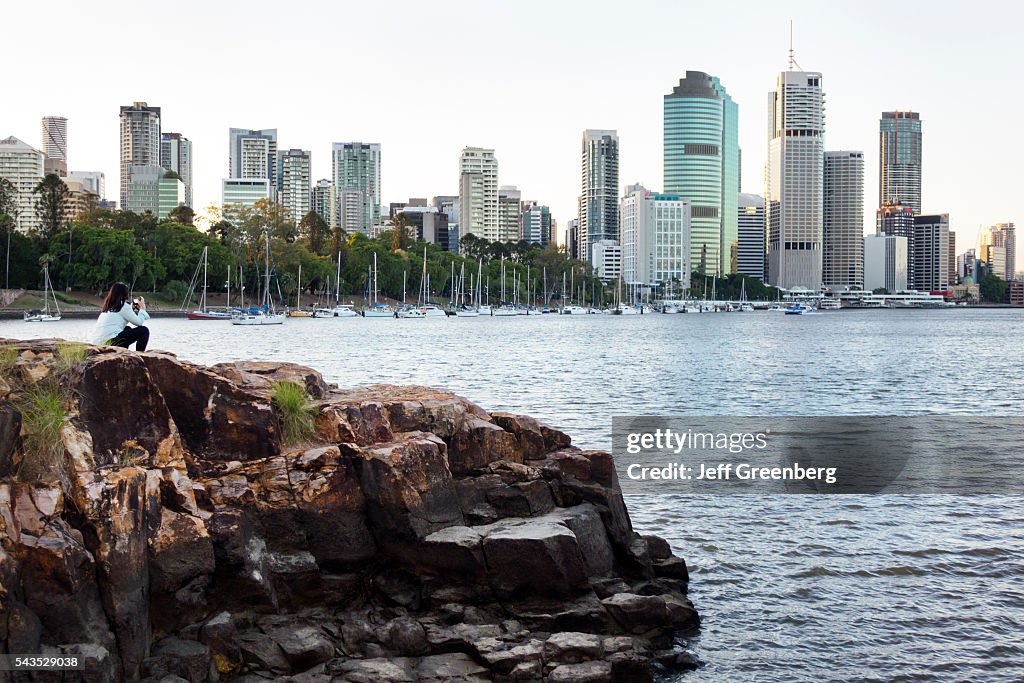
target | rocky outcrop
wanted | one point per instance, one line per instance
(417, 537)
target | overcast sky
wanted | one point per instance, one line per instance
(425, 79)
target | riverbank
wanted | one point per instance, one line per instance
(191, 521)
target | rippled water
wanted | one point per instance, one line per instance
(803, 588)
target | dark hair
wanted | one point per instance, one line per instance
(117, 297)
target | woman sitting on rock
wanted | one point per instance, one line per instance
(112, 324)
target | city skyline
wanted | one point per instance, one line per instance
(422, 150)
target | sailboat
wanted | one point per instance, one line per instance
(339, 310)
(377, 309)
(462, 310)
(745, 306)
(424, 307)
(297, 312)
(202, 312)
(265, 314)
(504, 309)
(45, 315)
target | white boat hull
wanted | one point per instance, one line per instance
(337, 312)
(249, 319)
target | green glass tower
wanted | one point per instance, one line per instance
(702, 164)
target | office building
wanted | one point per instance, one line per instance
(931, 253)
(899, 159)
(427, 223)
(571, 238)
(885, 263)
(897, 220)
(599, 199)
(997, 246)
(478, 193)
(843, 229)
(143, 192)
(293, 178)
(535, 224)
(750, 235)
(655, 238)
(243, 192)
(702, 164)
(171, 194)
(22, 165)
(356, 170)
(606, 259)
(140, 146)
(94, 182)
(176, 155)
(509, 213)
(794, 179)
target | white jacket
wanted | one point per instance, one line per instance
(109, 324)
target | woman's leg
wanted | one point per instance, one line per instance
(132, 335)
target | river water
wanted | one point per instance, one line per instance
(795, 588)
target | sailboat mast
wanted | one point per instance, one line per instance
(337, 282)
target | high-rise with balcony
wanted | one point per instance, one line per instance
(794, 179)
(701, 157)
(843, 230)
(54, 144)
(252, 154)
(510, 211)
(655, 239)
(478, 193)
(356, 171)
(176, 155)
(599, 198)
(899, 159)
(293, 178)
(324, 202)
(140, 147)
(22, 165)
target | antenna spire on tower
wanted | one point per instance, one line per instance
(792, 57)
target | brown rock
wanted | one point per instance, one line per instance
(258, 376)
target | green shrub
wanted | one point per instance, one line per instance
(296, 411)
(42, 419)
(175, 290)
(65, 299)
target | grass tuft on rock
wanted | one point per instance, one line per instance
(296, 411)
(8, 358)
(43, 414)
(69, 356)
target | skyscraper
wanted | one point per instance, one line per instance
(931, 253)
(897, 220)
(22, 165)
(176, 155)
(509, 213)
(140, 144)
(252, 154)
(899, 159)
(324, 202)
(55, 144)
(750, 235)
(599, 201)
(843, 230)
(794, 180)
(478, 193)
(293, 176)
(702, 164)
(356, 170)
(536, 224)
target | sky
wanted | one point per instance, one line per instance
(425, 79)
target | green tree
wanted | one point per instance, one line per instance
(185, 215)
(8, 222)
(880, 290)
(314, 230)
(400, 232)
(993, 289)
(102, 256)
(52, 203)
